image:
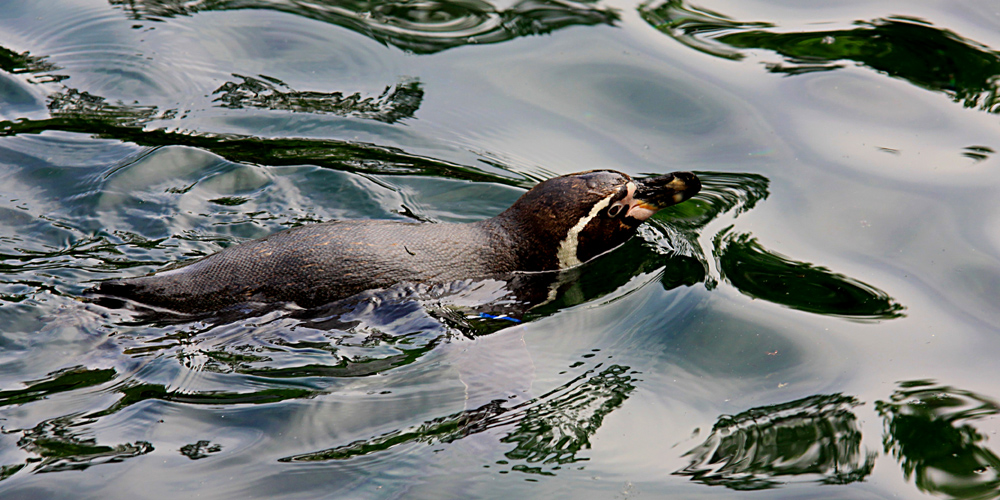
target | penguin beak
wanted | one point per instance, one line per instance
(653, 193)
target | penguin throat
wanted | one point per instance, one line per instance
(567, 248)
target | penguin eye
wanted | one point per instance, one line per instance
(614, 211)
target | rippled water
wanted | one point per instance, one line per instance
(821, 321)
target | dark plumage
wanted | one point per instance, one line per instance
(558, 224)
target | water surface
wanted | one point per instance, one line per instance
(820, 322)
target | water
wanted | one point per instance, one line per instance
(820, 322)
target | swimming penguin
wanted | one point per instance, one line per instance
(560, 223)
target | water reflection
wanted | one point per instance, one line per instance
(929, 430)
(61, 445)
(280, 356)
(977, 153)
(547, 432)
(554, 431)
(763, 274)
(421, 27)
(694, 26)
(67, 379)
(72, 110)
(67, 443)
(199, 450)
(395, 103)
(20, 63)
(761, 448)
(371, 334)
(724, 192)
(909, 49)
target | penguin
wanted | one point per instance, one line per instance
(559, 224)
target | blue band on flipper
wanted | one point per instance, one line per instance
(490, 316)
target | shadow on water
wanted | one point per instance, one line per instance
(417, 27)
(928, 429)
(909, 49)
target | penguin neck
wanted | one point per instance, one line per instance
(522, 241)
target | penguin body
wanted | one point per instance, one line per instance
(558, 224)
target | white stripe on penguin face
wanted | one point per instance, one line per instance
(567, 247)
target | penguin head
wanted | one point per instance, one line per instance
(568, 220)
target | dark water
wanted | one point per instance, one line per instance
(820, 322)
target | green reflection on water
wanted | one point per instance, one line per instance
(361, 367)
(928, 57)
(763, 274)
(910, 49)
(98, 247)
(694, 26)
(16, 63)
(395, 103)
(75, 111)
(556, 430)
(69, 379)
(417, 27)
(928, 429)
(136, 392)
(549, 430)
(61, 446)
(9, 470)
(814, 436)
(61, 443)
(199, 450)
(721, 192)
(439, 430)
